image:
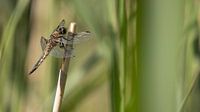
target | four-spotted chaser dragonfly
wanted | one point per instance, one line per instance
(59, 43)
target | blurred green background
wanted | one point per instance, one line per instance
(143, 56)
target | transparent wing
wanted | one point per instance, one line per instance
(56, 51)
(43, 42)
(78, 38)
(60, 52)
(61, 24)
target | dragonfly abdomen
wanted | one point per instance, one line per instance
(43, 57)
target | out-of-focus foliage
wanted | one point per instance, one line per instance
(104, 75)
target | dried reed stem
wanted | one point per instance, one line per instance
(62, 76)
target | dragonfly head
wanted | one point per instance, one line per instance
(62, 30)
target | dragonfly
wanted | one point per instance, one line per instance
(60, 43)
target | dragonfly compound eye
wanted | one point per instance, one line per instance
(62, 30)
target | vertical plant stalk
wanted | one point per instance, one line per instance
(63, 76)
(159, 32)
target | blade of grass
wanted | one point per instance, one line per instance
(191, 60)
(159, 31)
(131, 60)
(6, 59)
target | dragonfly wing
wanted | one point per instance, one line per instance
(60, 52)
(43, 42)
(61, 24)
(56, 51)
(78, 38)
(82, 36)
